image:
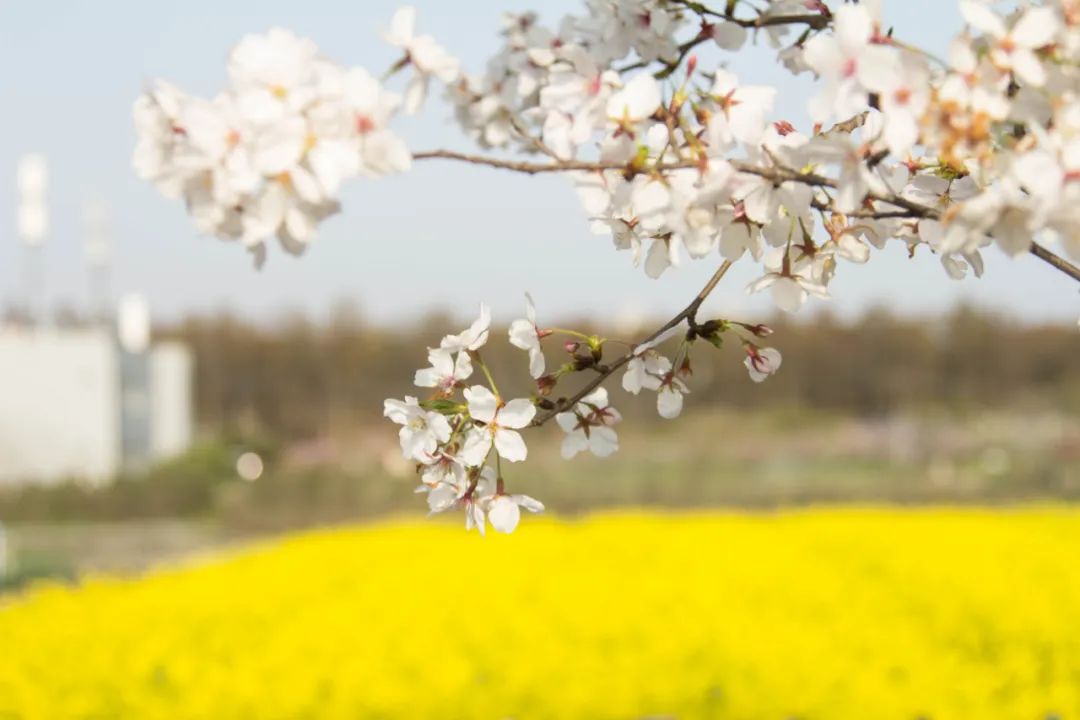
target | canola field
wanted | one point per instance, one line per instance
(832, 613)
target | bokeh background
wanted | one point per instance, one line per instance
(885, 528)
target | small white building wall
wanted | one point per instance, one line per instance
(59, 406)
(171, 405)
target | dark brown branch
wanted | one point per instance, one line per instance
(814, 21)
(687, 313)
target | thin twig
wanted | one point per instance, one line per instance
(1055, 261)
(815, 21)
(670, 66)
(777, 174)
(687, 313)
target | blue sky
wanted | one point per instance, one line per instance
(443, 236)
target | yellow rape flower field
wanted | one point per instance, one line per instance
(832, 613)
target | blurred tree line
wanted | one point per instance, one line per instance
(300, 379)
(849, 416)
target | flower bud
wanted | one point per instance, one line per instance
(759, 330)
(545, 384)
(783, 127)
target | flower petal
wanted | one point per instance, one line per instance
(483, 404)
(510, 445)
(516, 413)
(504, 514)
(476, 448)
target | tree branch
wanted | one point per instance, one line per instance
(1055, 261)
(815, 21)
(776, 174)
(687, 313)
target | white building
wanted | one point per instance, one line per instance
(77, 406)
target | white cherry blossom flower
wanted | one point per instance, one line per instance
(422, 430)
(1013, 48)
(789, 290)
(575, 99)
(443, 496)
(645, 370)
(274, 74)
(501, 423)
(473, 337)
(742, 111)
(445, 372)
(588, 426)
(423, 53)
(477, 502)
(369, 108)
(761, 362)
(903, 103)
(504, 511)
(444, 481)
(647, 27)
(669, 399)
(637, 101)
(850, 62)
(267, 156)
(524, 334)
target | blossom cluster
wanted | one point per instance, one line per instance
(460, 434)
(266, 158)
(672, 156)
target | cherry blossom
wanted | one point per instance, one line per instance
(743, 111)
(761, 362)
(588, 427)
(1013, 49)
(501, 423)
(504, 511)
(790, 290)
(851, 61)
(422, 430)
(524, 334)
(473, 337)
(645, 371)
(266, 157)
(635, 102)
(477, 499)
(445, 371)
(422, 53)
(669, 398)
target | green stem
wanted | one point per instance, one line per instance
(487, 373)
(572, 333)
